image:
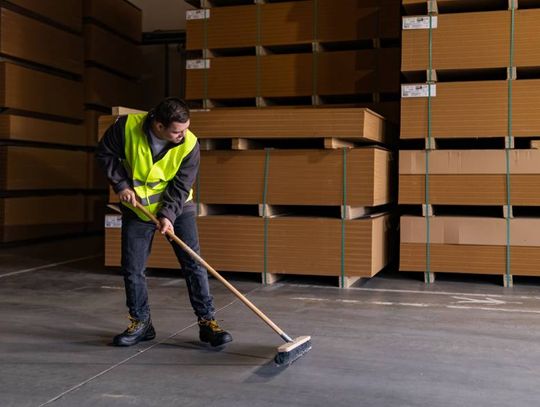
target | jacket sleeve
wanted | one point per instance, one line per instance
(177, 191)
(110, 154)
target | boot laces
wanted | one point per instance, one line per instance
(213, 325)
(133, 325)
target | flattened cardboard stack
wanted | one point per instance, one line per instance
(288, 211)
(295, 53)
(112, 34)
(43, 171)
(112, 54)
(483, 68)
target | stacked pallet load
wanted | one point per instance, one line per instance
(473, 72)
(287, 191)
(44, 187)
(112, 70)
(306, 52)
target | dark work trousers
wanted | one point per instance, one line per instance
(137, 237)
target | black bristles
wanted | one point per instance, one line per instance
(286, 358)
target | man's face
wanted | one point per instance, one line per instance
(174, 133)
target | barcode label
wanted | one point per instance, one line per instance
(198, 64)
(113, 221)
(418, 91)
(419, 22)
(197, 14)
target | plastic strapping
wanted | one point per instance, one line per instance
(428, 149)
(258, 52)
(265, 218)
(205, 49)
(315, 51)
(343, 216)
(509, 143)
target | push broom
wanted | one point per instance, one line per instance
(287, 353)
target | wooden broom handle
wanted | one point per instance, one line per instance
(218, 276)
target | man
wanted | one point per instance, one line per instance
(154, 159)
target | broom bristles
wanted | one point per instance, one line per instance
(291, 351)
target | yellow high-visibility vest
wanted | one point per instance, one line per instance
(150, 179)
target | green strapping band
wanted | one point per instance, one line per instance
(428, 149)
(265, 218)
(343, 209)
(257, 52)
(205, 47)
(507, 147)
(315, 52)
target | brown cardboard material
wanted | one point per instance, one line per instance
(474, 177)
(347, 123)
(36, 217)
(309, 246)
(470, 230)
(57, 169)
(288, 23)
(445, 162)
(474, 109)
(295, 177)
(33, 91)
(23, 38)
(120, 16)
(475, 40)
(290, 75)
(111, 51)
(105, 89)
(65, 12)
(23, 128)
(227, 27)
(473, 259)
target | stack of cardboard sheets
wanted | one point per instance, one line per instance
(44, 186)
(485, 93)
(321, 229)
(296, 53)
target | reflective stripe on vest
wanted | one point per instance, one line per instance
(150, 179)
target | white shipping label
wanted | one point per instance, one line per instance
(197, 14)
(419, 22)
(198, 64)
(418, 91)
(113, 221)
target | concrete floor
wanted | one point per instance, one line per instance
(391, 341)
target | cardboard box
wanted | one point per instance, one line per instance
(295, 177)
(460, 41)
(65, 12)
(22, 128)
(289, 23)
(470, 245)
(23, 218)
(120, 16)
(62, 50)
(470, 177)
(476, 40)
(290, 75)
(38, 92)
(27, 168)
(345, 123)
(225, 27)
(309, 246)
(345, 20)
(111, 51)
(473, 109)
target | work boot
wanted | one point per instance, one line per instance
(209, 331)
(136, 331)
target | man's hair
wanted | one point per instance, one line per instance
(170, 110)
